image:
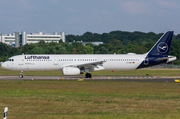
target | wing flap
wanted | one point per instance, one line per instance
(89, 64)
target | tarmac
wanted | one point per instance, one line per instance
(98, 78)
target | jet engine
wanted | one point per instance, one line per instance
(71, 71)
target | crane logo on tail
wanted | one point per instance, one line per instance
(162, 47)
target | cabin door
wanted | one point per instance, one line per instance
(55, 60)
(21, 60)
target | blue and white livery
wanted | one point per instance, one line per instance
(78, 64)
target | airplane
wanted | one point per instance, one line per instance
(78, 64)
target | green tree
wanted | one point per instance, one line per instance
(60, 49)
(140, 50)
(37, 50)
(102, 50)
(68, 47)
(88, 49)
(89, 44)
(31, 46)
(79, 48)
(115, 45)
(130, 48)
(175, 49)
(50, 50)
(149, 45)
(42, 44)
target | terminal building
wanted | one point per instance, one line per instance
(16, 39)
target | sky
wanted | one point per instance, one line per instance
(97, 16)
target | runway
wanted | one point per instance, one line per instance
(98, 78)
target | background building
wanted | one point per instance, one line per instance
(16, 39)
(21, 38)
(84, 43)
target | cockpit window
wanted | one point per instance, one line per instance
(11, 60)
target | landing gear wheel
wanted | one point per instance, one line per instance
(88, 75)
(20, 76)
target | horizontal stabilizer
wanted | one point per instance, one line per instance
(169, 58)
(164, 58)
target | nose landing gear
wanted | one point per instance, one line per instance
(21, 74)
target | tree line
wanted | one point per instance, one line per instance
(119, 42)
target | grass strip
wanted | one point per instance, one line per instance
(90, 99)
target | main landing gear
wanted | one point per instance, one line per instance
(88, 75)
(21, 74)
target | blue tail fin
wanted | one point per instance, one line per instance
(159, 52)
(161, 48)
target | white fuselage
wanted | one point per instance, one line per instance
(78, 64)
(57, 62)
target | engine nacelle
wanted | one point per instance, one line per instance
(71, 71)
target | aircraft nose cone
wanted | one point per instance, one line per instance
(2, 65)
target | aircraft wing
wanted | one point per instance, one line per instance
(90, 65)
(84, 64)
